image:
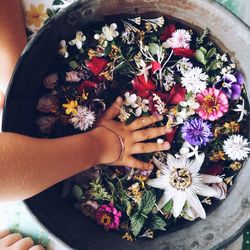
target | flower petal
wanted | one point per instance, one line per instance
(196, 163)
(178, 203)
(165, 198)
(205, 190)
(206, 178)
(196, 205)
(161, 182)
(164, 168)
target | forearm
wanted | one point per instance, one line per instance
(29, 165)
(13, 38)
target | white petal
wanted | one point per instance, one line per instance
(105, 29)
(206, 178)
(196, 205)
(138, 112)
(165, 198)
(205, 190)
(115, 33)
(72, 42)
(196, 163)
(171, 161)
(113, 26)
(79, 44)
(63, 43)
(178, 203)
(164, 168)
(161, 182)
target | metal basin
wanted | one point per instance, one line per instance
(226, 221)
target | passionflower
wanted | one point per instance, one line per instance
(108, 216)
(213, 104)
(96, 65)
(181, 182)
(142, 86)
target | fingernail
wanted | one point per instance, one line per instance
(118, 99)
(166, 145)
(168, 130)
(159, 117)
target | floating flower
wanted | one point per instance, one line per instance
(177, 94)
(71, 107)
(36, 16)
(89, 208)
(50, 81)
(213, 104)
(236, 147)
(46, 123)
(168, 31)
(182, 183)
(231, 85)
(108, 33)
(189, 151)
(108, 216)
(47, 104)
(130, 99)
(241, 108)
(143, 87)
(83, 119)
(63, 49)
(79, 39)
(194, 80)
(141, 105)
(181, 38)
(72, 76)
(184, 65)
(196, 132)
(96, 65)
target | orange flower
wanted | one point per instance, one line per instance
(36, 15)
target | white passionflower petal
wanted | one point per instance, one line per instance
(196, 163)
(196, 205)
(206, 178)
(205, 190)
(160, 182)
(165, 198)
(178, 203)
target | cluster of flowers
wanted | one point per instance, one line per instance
(160, 69)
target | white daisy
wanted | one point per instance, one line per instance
(194, 80)
(180, 39)
(84, 119)
(182, 183)
(184, 65)
(79, 39)
(236, 147)
(108, 32)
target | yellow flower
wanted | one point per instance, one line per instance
(71, 107)
(36, 15)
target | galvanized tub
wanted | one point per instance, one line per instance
(226, 221)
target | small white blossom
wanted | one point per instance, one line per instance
(143, 69)
(130, 99)
(79, 39)
(108, 32)
(84, 119)
(160, 105)
(241, 108)
(224, 58)
(184, 65)
(63, 49)
(189, 151)
(236, 147)
(124, 115)
(180, 39)
(141, 105)
(194, 80)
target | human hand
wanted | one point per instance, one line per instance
(132, 135)
(15, 241)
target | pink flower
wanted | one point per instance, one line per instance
(72, 77)
(213, 104)
(221, 189)
(155, 66)
(184, 52)
(168, 31)
(96, 65)
(50, 81)
(143, 87)
(108, 216)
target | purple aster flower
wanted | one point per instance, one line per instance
(231, 85)
(196, 132)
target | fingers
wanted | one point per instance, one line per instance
(144, 122)
(36, 248)
(4, 233)
(10, 239)
(142, 148)
(150, 133)
(23, 244)
(114, 110)
(134, 163)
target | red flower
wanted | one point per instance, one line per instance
(177, 94)
(184, 52)
(216, 169)
(96, 65)
(167, 33)
(86, 84)
(155, 66)
(143, 87)
(170, 136)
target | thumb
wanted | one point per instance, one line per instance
(114, 110)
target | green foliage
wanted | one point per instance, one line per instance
(153, 48)
(73, 64)
(77, 192)
(147, 203)
(200, 40)
(157, 223)
(137, 222)
(200, 56)
(168, 207)
(98, 191)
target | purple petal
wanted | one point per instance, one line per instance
(240, 78)
(236, 91)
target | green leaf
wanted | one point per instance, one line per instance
(214, 65)
(199, 55)
(153, 48)
(168, 207)
(201, 39)
(157, 223)
(147, 202)
(73, 65)
(203, 50)
(137, 223)
(50, 12)
(77, 192)
(211, 53)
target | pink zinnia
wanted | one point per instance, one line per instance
(108, 216)
(213, 104)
